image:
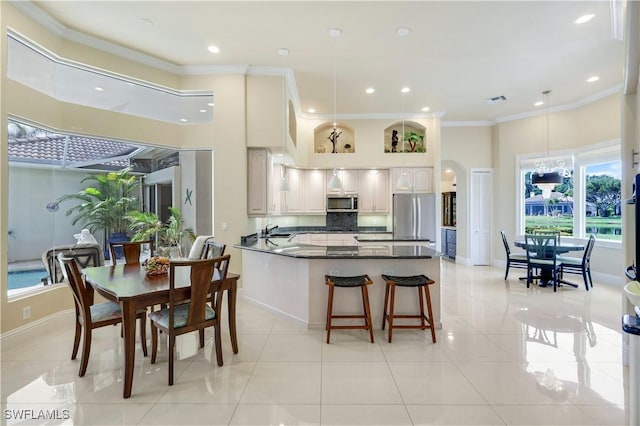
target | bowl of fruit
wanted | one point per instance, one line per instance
(156, 265)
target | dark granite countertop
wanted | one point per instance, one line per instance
(388, 237)
(384, 250)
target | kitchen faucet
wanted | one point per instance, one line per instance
(267, 230)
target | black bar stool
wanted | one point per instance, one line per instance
(361, 281)
(422, 282)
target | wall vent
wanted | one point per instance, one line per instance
(496, 99)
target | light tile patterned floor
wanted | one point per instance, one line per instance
(506, 355)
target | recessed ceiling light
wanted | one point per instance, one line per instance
(584, 18)
(539, 103)
(335, 32)
(283, 51)
(203, 110)
(370, 90)
(213, 49)
(210, 104)
(448, 171)
(98, 89)
(147, 21)
(593, 78)
(311, 110)
(425, 109)
(184, 120)
(403, 31)
(405, 90)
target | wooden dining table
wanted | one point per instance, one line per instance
(561, 248)
(129, 285)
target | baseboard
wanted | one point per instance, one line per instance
(16, 333)
(273, 310)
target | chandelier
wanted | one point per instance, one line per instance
(548, 174)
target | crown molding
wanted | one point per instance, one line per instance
(567, 107)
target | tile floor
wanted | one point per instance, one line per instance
(506, 355)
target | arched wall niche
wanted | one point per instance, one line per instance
(323, 135)
(416, 140)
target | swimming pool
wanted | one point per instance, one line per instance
(23, 279)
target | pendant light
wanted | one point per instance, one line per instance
(284, 183)
(546, 177)
(335, 184)
(403, 183)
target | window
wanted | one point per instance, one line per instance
(602, 200)
(587, 202)
(555, 212)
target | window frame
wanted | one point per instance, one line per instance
(603, 152)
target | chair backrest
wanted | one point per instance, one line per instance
(505, 242)
(586, 257)
(78, 286)
(131, 250)
(196, 248)
(201, 278)
(553, 232)
(540, 247)
(85, 254)
(211, 249)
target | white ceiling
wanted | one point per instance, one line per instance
(456, 55)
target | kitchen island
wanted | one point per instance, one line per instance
(288, 277)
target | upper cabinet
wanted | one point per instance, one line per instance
(306, 193)
(291, 200)
(373, 191)
(314, 198)
(421, 179)
(349, 179)
(258, 181)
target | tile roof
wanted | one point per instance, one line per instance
(55, 149)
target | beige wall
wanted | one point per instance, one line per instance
(464, 148)
(581, 127)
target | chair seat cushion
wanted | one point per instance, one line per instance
(356, 281)
(518, 257)
(570, 261)
(180, 313)
(105, 311)
(409, 281)
(543, 262)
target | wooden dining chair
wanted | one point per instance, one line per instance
(90, 315)
(211, 249)
(513, 260)
(542, 255)
(180, 318)
(575, 265)
(131, 250)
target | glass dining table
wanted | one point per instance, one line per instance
(129, 285)
(561, 248)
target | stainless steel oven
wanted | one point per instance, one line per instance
(342, 203)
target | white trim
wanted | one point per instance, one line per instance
(16, 332)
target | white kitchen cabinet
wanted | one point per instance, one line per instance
(314, 197)
(373, 191)
(421, 179)
(349, 179)
(291, 200)
(258, 181)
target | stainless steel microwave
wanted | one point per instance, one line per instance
(342, 203)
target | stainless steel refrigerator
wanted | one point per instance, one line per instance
(414, 216)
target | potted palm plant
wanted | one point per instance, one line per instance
(413, 139)
(169, 235)
(105, 204)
